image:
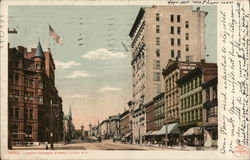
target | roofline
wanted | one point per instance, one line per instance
(137, 20)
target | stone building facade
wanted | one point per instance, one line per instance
(191, 99)
(158, 34)
(35, 107)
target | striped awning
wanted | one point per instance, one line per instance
(172, 129)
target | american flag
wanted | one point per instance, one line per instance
(55, 36)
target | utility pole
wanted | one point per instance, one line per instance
(51, 125)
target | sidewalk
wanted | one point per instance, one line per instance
(185, 148)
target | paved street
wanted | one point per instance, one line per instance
(92, 144)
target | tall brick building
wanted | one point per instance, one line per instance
(33, 96)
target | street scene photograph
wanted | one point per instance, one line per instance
(112, 77)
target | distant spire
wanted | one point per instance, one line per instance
(70, 114)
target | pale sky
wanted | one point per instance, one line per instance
(93, 72)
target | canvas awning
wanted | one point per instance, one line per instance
(127, 135)
(148, 133)
(193, 131)
(172, 129)
(154, 133)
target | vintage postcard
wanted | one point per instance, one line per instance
(124, 79)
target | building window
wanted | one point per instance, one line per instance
(178, 30)
(40, 99)
(11, 112)
(157, 40)
(156, 64)
(172, 29)
(157, 52)
(196, 98)
(171, 18)
(25, 82)
(179, 53)
(16, 113)
(172, 53)
(157, 88)
(214, 92)
(16, 96)
(28, 131)
(157, 28)
(157, 17)
(172, 41)
(14, 130)
(200, 97)
(16, 79)
(178, 18)
(31, 95)
(40, 83)
(31, 83)
(207, 94)
(200, 80)
(187, 24)
(189, 58)
(179, 42)
(195, 83)
(16, 64)
(40, 115)
(156, 76)
(31, 114)
(25, 95)
(187, 47)
(187, 36)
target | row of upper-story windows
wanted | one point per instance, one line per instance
(159, 111)
(14, 64)
(14, 113)
(175, 54)
(173, 113)
(27, 97)
(159, 122)
(191, 116)
(171, 82)
(28, 82)
(172, 17)
(194, 83)
(191, 100)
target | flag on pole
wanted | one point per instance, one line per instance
(55, 36)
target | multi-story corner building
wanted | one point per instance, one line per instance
(191, 100)
(171, 73)
(158, 34)
(125, 126)
(35, 108)
(210, 112)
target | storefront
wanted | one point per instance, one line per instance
(193, 136)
